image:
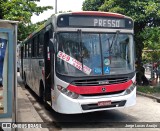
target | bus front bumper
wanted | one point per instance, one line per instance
(67, 105)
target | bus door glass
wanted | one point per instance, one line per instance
(52, 47)
(47, 36)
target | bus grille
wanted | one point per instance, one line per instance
(95, 106)
(96, 82)
(103, 94)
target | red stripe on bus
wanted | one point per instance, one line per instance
(94, 13)
(99, 89)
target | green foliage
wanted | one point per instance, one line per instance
(145, 13)
(25, 30)
(1, 8)
(92, 5)
(151, 43)
(21, 10)
(148, 89)
(151, 38)
(140, 11)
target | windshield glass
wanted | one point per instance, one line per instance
(81, 54)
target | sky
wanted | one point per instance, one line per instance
(62, 5)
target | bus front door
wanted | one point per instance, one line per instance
(47, 90)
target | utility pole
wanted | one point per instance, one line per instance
(55, 6)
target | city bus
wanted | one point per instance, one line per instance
(80, 62)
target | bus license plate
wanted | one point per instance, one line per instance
(104, 103)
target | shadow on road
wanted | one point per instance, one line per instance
(103, 119)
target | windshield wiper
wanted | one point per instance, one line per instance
(80, 45)
(115, 37)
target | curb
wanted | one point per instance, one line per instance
(150, 96)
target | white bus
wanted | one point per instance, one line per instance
(81, 62)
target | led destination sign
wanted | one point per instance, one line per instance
(99, 22)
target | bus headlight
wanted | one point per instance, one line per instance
(67, 92)
(130, 89)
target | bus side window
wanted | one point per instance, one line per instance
(29, 49)
(40, 46)
(24, 51)
(34, 47)
(32, 52)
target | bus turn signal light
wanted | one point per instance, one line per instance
(67, 92)
(130, 89)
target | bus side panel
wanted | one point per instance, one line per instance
(36, 75)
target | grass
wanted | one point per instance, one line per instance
(148, 89)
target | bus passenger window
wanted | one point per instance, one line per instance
(26, 50)
(34, 47)
(29, 49)
(40, 47)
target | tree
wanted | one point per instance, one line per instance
(145, 13)
(21, 10)
(92, 5)
(1, 8)
(151, 43)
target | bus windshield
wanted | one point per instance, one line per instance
(90, 54)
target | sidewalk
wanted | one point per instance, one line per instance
(26, 112)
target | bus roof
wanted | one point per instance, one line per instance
(98, 13)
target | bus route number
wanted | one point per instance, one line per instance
(63, 56)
